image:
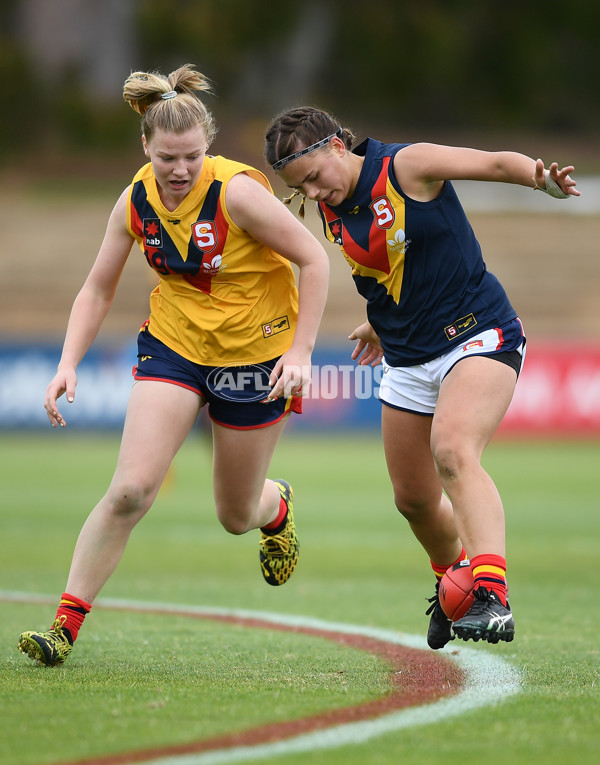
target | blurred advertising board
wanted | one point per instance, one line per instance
(558, 394)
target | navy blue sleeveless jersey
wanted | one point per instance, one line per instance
(418, 264)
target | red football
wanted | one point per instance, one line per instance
(456, 590)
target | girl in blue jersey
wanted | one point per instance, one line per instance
(227, 328)
(450, 341)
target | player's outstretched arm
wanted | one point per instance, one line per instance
(422, 168)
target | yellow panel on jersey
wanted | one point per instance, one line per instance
(223, 297)
(383, 258)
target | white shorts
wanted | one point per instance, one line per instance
(416, 388)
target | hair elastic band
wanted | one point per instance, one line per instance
(168, 95)
(313, 147)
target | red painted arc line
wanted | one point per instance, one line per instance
(416, 677)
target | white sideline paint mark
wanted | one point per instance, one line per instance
(489, 679)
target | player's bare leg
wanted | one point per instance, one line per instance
(417, 488)
(418, 496)
(159, 416)
(246, 499)
(474, 398)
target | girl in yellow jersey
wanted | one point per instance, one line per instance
(227, 328)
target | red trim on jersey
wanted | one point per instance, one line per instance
(137, 225)
(375, 257)
(203, 279)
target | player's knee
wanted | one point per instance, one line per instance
(233, 521)
(412, 506)
(450, 458)
(130, 500)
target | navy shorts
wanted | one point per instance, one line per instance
(236, 395)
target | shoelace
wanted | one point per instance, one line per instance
(433, 606)
(435, 601)
(57, 626)
(278, 545)
(483, 598)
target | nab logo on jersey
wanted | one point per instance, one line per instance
(204, 235)
(336, 229)
(153, 232)
(383, 212)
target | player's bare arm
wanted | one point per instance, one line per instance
(89, 309)
(253, 208)
(422, 168)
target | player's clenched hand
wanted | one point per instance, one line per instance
(368, 345)
(64, 381)
(290, 375)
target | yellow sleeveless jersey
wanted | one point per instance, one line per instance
(223, 297)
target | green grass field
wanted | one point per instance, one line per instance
(137, 680)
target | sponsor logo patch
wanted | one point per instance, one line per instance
(474, 344)
(460, 326)
(276, 326)
(153, 232)
(336, 229)
(213, 267)
(399, 243)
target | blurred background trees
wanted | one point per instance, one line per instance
(432, 68)
(511, 75)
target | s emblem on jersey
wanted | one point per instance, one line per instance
(336, 228)
(373, 238)
(204, 235)
(383, 212)
(152, 232)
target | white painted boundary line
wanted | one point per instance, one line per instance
(490, 679)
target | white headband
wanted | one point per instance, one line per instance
(313, 147)
(169, 94)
